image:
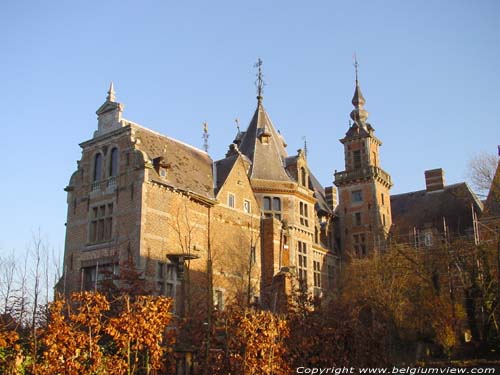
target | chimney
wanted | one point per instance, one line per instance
(434, 179)
(331, 197)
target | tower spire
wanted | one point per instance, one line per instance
(259, 82)
(111, 93)
(359, 115)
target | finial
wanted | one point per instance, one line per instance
(111, 93)
(237, 121)
(356, 65)
(205, 137)
(259, 82)
(305, 146)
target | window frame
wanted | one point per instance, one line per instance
(100, 228)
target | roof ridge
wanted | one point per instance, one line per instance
(134, 124)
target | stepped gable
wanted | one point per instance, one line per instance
(188, 168)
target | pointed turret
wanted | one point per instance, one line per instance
(261, 143)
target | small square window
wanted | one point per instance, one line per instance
(230, 200)
(357, 196)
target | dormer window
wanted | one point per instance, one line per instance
(97, 167)
(303, 177)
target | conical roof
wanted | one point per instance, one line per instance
(265, 148)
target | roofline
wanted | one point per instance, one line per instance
(165, 136)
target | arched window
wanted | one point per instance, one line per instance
(98, 167)
(113, 164)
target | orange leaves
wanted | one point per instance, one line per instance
(254, 343)
(81, 339)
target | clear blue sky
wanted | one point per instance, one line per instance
(429, 71)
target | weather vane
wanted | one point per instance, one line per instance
(305, 146)
(205, 136)
(237, 121)
(259, 82)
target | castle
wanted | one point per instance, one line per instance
(246, 228)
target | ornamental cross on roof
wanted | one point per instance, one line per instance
(259, 82)
(205, 137)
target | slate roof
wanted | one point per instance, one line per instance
(189, 168)
(223, 168)
(267, 159)
(319, 194)
(422, 209)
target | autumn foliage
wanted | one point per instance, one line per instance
(88, 334)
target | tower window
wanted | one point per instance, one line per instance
(383, 198)
(359, 244)
(357, 218)
(356, 158)
(357, 196)
(97, 167)
(113, 165)
(383, 219)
